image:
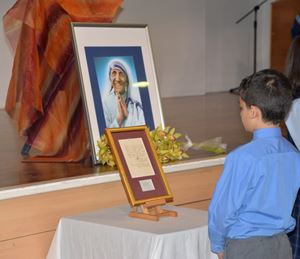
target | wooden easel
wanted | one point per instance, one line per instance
(152, 211)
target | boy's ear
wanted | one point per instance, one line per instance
(254, 112)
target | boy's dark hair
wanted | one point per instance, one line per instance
(270, 91)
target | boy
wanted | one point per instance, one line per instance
(250, 212)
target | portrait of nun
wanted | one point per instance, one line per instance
(121, 100)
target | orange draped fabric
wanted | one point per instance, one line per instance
(44, 94)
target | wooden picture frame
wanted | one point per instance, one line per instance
(141, 172)
(99, 49)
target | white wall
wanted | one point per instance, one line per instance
(6, 54)
(196, 44)
(230, 45)
(264, 32)
(176, 29)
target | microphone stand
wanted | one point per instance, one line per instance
(255, 10)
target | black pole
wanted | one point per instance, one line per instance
(255, 10)
(255, 38)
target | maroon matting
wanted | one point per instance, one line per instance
(158, 181)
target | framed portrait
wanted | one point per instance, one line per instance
(117, 75)
(141, 172)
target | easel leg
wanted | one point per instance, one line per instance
(152, 211)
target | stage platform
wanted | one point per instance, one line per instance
(35, 196)
(199, 117)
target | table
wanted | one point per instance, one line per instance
(112, 234)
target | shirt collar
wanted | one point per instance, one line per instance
(267, 133)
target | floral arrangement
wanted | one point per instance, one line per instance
(104, 154)
(166, 143)
(213, 145)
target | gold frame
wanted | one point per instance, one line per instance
(131, 187)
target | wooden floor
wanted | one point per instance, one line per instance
(199, 117)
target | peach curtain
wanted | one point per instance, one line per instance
(44, 94)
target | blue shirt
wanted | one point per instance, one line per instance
(256, 191)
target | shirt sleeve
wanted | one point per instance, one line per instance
(228, 198)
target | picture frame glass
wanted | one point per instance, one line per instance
(141, 172)
(118, 81)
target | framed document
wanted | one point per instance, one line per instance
(141, 172)
(115, 65)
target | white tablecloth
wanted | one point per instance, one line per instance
(112, 234)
